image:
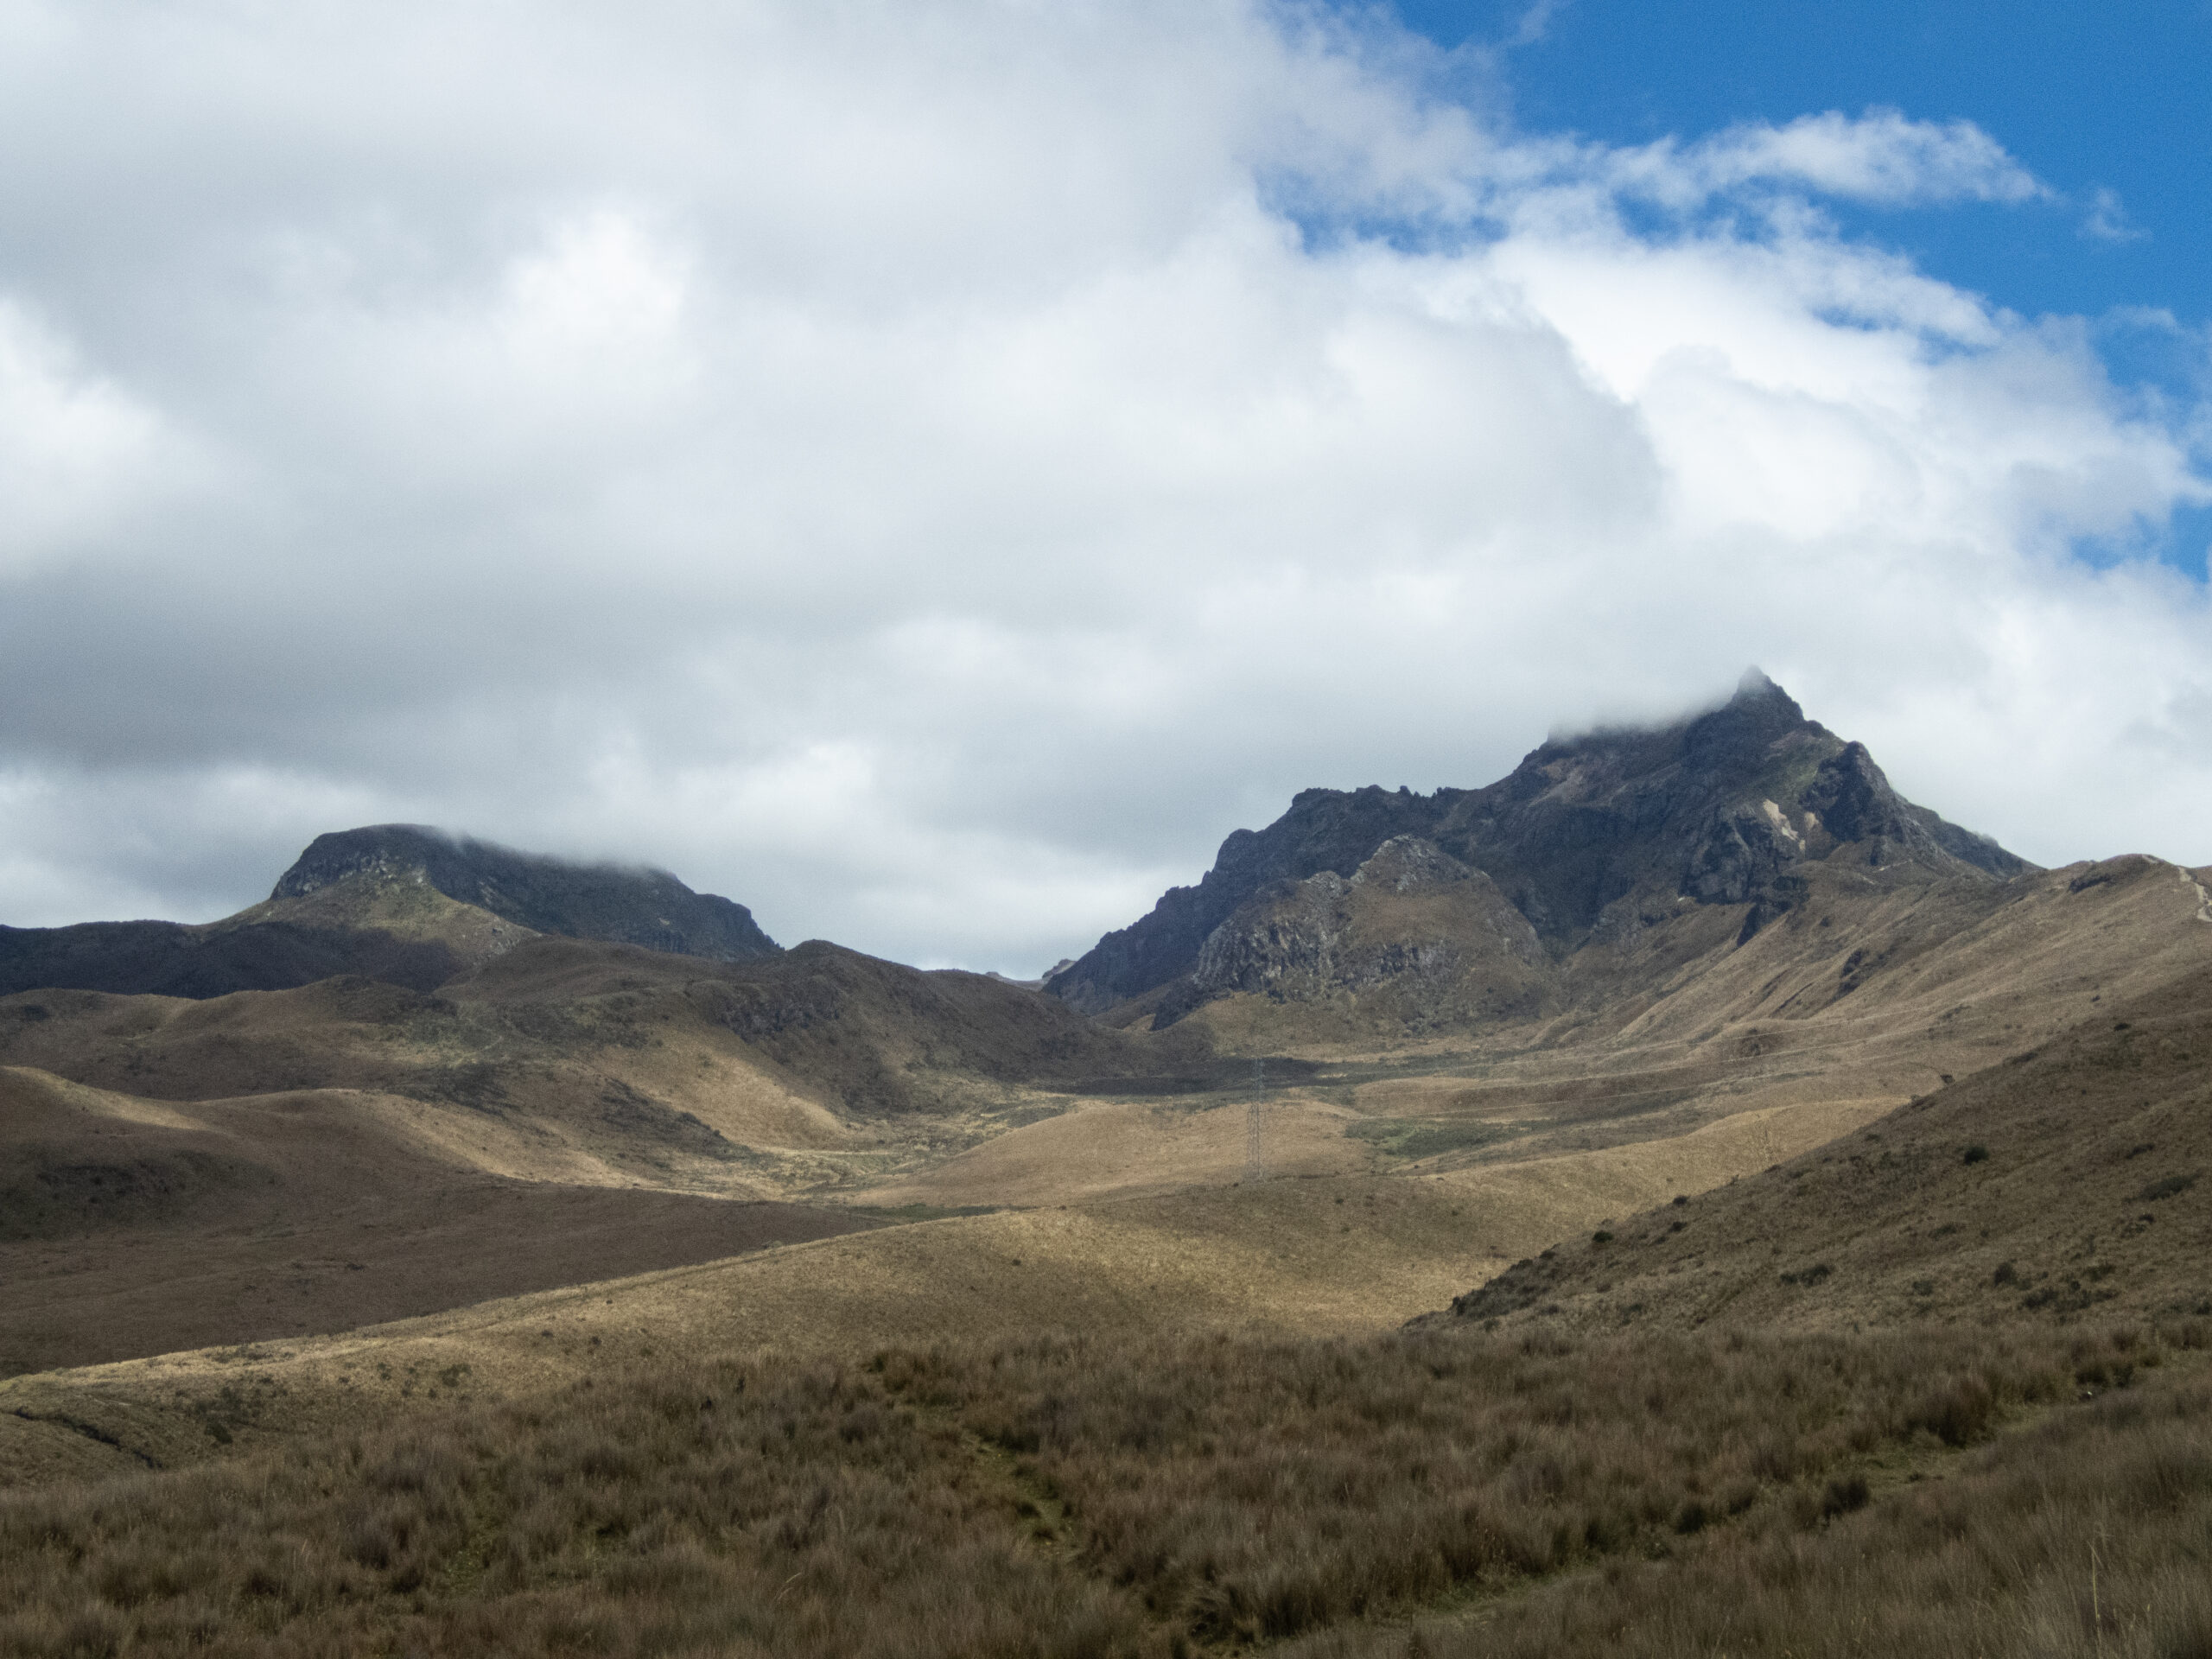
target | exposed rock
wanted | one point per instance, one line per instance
(1325, 829)
(1438, 935)
(1408, 864)
(1728, 808)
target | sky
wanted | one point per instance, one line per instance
(930, 470)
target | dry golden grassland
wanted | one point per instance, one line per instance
(131, 1227)
(2036, 1493)
(1128, 1402)
(1288, 1258)
(2074, 1180)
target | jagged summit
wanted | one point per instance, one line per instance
(1727, 807)
(548, 895)
(1755, 685)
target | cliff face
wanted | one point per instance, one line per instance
(1725, 808)
(1326, 830)
(1434, 939)
(547, 895)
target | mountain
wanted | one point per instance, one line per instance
(547, 895)
(1482, 899)
(399, 903)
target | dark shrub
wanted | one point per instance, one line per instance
(1977, 1154)
(1844, 1495)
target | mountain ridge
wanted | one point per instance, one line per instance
(404, 903)
(1731, 807)
(543, 893)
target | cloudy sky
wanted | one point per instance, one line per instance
(930, 468)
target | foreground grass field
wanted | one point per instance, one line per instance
(2044, 1491)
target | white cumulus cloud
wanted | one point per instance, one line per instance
(929, 471)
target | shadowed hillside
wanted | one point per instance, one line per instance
(2069, 1180)
(131, 1226)
(861, 1036)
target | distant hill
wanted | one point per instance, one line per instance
(294, 1212)
(609, 1039)
(1707, 829)
(349, 1151)
(173, 959)
(547, 895)
(400, 903)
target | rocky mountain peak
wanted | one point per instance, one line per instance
(647, 908)
(1756, 689)
(1725, 807)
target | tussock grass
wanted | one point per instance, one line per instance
(718, 1508)
(2088, 1535)
(1061, 1496)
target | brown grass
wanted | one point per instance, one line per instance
(2086, 1537)
(133, 1227)
(1063, 1497)
(2060, 1185)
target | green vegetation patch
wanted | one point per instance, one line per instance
(2166, 1187)
(1425, 1137)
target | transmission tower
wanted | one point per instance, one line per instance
(1256, 1169)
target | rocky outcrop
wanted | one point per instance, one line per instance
(1412, 920)
(547, 895)
(1329, 830)
(1728, 808)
